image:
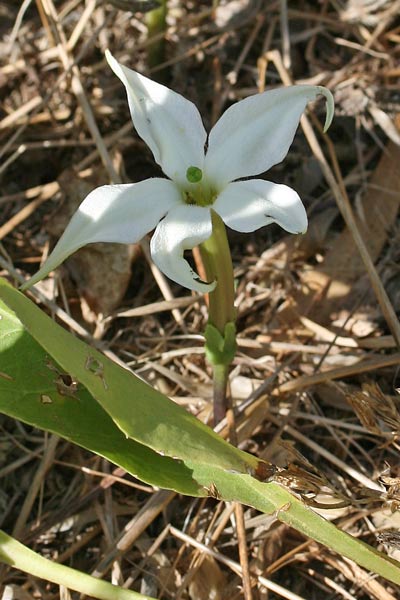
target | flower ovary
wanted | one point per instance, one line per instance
(194, 174)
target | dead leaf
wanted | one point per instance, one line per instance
(208, 583)
(388, 522)
(385, 122)
(336, 282)
(375, 410)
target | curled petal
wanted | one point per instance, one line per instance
(248, 205)
(113, 213)
(256, 133)
(169, 124)
(183, 228)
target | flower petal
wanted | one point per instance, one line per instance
(248, 205)
(183, 228)
(169, 124)
(113, 213)
(256, 133)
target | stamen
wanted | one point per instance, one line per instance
(188, 198)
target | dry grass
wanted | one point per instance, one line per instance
(315, 381)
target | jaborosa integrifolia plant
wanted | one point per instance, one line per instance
(201, 196)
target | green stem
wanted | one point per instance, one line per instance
(156, 24)
(217, 260)
(220, 381)
(216, 256)
(17, 555)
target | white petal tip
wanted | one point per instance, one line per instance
(38, 276)
(113, 63)
(33, 281)
(211, 286)
(330, 106)
(109, 57)
(296, 231)
(199, 285)
(296, 221)
(116, 67)
(303, 225)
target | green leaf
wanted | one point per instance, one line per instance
(141, 412)
(273, 498)
(200, 462)
(17, 555)
(33, 389)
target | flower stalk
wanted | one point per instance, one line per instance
(216, 256)
(220, 332)
(220, 387)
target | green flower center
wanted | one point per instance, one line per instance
(198, 193)
(194, 175)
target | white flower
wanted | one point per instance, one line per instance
(250, 137)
